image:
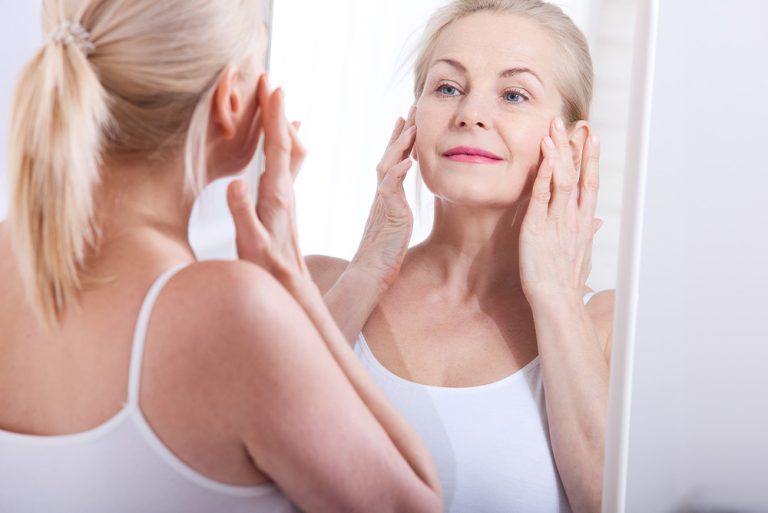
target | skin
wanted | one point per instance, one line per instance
(503, 271)
(223, 396)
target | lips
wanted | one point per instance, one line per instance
(473, 155)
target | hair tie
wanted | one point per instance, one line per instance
(69, 32)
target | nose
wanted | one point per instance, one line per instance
(472, 113)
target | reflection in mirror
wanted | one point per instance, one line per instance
(349, 85)
(462, 340)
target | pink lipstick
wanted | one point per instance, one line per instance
(472, 155)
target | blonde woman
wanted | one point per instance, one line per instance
(485, 335)
(131, 377)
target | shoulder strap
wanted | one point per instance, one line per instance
(140, 333)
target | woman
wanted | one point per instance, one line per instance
(133, 378)
(469, 331)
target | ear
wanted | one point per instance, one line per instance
(577, 138)
(227, 103)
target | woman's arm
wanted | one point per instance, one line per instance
(267, 236)
(353, 289)
(350, 291)
(555, 261)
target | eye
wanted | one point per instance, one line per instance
(447, 90)
(514, 96)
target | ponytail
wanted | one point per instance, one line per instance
(130, 80)
(58, 119)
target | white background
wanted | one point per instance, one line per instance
(344, 66)
(695, 409)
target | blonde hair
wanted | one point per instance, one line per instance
(574, 75)
(124, 79)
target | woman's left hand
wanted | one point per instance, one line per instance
(559, 226)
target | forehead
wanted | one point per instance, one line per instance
(495, 41)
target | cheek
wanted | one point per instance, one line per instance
(426, 131)
(525, 147)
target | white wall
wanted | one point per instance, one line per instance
(689, 370)
(19, 40)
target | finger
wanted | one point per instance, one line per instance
(411, 119)
(410, 122)
(589, 184)
(564, 175)
(541, 194)
(392, 192)
(251, 236)
(298, 151)
(395, 176)
(399, 124)
(255, 130)
(276, 182)
(263, 92)
(397, 151)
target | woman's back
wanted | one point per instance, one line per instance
(72, 421)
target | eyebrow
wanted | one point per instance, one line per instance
(504, 74)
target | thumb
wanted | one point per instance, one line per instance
(251, 236)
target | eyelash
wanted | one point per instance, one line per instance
(440, 90)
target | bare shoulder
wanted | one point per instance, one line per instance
(220, 331)
(601, 308)
(325, 270)
(223, 299)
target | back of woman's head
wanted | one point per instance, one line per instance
(574, 70)
(127, 80)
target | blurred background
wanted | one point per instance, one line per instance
(346, 71)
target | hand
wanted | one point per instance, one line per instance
(390, 221)
(559, 226)
(266, 235)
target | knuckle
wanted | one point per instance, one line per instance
(592, 184)
(565, 186)
(279, 144)
(542, 194)
(279, 201)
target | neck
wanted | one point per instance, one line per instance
(475, 251)
(138, 199)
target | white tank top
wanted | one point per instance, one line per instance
(120, 466)
(490, 443)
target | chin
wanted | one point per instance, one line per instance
(475, 192)
(478, 196)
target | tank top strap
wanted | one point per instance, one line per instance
(140, 333)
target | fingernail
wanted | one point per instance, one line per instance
(559, 124)
(549, 142)
(595, 141)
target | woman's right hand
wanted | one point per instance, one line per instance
(390, 221)
(266, 233)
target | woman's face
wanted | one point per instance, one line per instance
(487, 103)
